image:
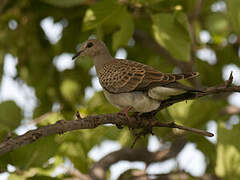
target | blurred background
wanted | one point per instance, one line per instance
(40, 84)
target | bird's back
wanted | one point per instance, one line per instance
(121, 76)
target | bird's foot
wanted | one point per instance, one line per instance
(124, 112)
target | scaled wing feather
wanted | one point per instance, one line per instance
(123, 76)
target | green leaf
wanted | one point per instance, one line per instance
(15, 177)
(122, 36)
(50, 118)
(31, 155)
(171, 31)
(217, 24)
(42, 177)
(210, 111)
(233, 13)
(98, 104)
(126, 139)
(75, 151)
(228, 137)
(100, 13)
(181, 20)
(228, 160)
(70, 89)
(64, 3)
(187, 113)
(228, 152)
(10, 115)
(109, 16)
(179, 111)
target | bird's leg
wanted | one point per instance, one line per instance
(125, 112)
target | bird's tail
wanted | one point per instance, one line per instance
(178, 85)
(187, 75)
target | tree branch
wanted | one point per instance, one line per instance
(91, 122)
(175, 175)
(98, 171)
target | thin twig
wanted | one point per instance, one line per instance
(228, 83)
(194, 130)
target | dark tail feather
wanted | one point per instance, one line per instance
(178, 85)
(187, 95)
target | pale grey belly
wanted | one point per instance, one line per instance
(162, 93)
(139, 101)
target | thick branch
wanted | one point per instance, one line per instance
(94, 121)
(89, 122)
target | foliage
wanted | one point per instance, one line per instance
(177, 26)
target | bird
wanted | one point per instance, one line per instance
(132, 86)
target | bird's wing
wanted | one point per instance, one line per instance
(123, 76)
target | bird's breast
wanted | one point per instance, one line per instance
(139, 101)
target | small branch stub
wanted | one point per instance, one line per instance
(78, 116)
(228, 83)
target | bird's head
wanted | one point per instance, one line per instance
(91, 48)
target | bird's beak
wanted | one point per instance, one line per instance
(77, 54)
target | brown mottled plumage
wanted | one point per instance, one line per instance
(123, 76)
(132, 84)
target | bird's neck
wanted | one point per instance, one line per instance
(102, 59)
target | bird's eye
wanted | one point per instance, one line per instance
(89, 45)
